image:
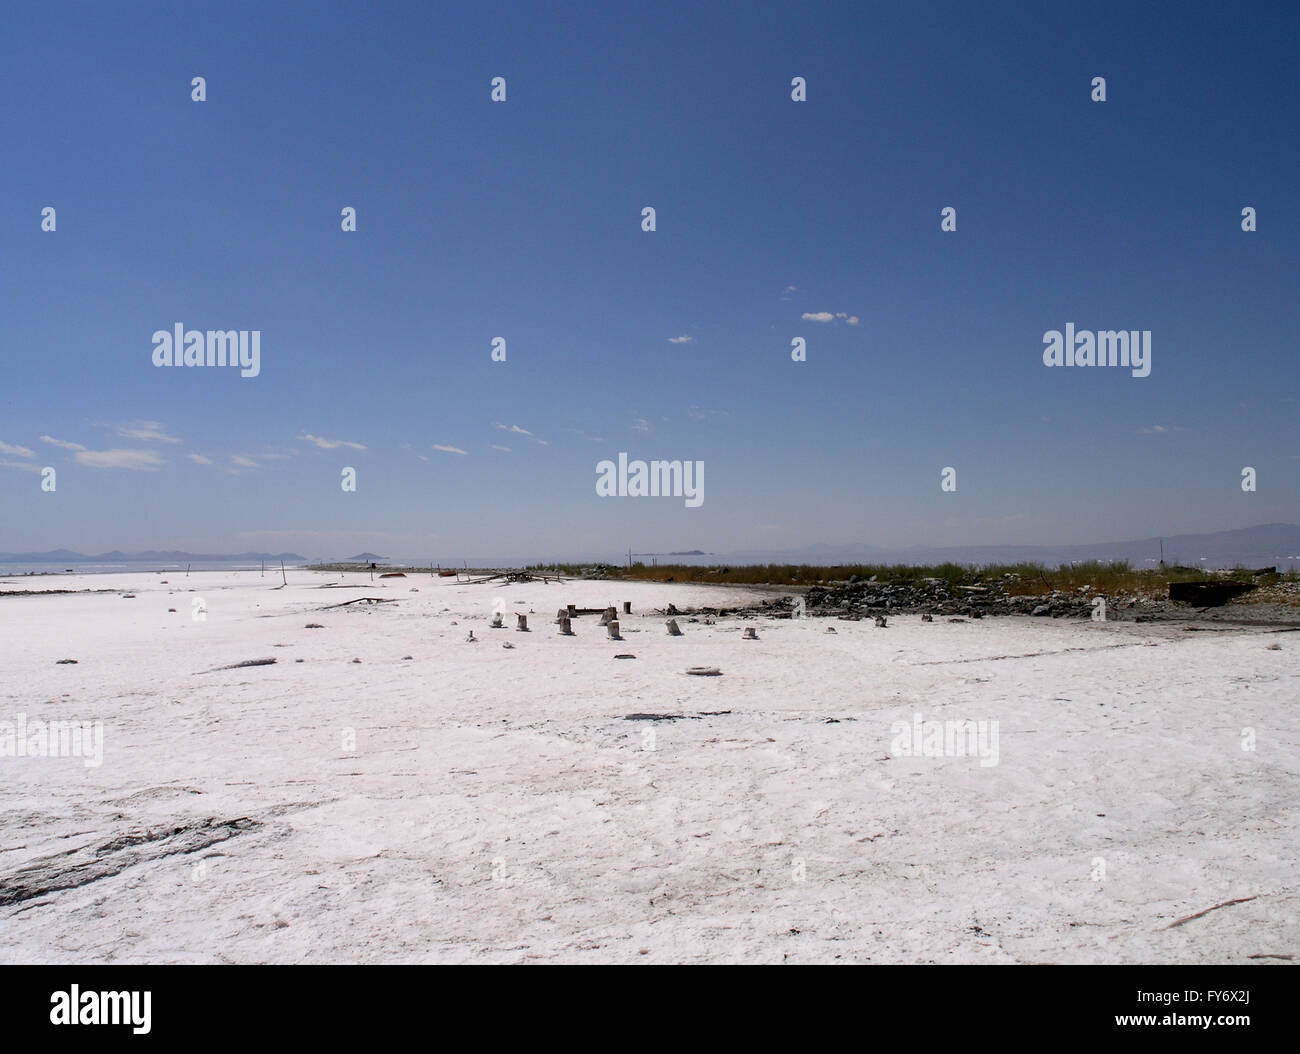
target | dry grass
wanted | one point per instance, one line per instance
(1016, 579)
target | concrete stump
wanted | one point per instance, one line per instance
(673, 629)
(627, 607)
(496, 621)
(572, 610)
(565, 627)
(750, 633)
(521, 626)
(612, 627)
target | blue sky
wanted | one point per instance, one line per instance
(522, 220)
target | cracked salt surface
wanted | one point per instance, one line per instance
(471, 804)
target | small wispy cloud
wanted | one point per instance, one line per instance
(680, 340)
(135, 460)
(448, 449)
(498, 446)
(199, 459)
(828, 316)
(785, 293)
(330, 444)
(16, 451)
(1155, 430)
(26, 466)
(242, 461)
(640, 425)
(515, 429)
(148, 431)
(698, 413)
(62, 443)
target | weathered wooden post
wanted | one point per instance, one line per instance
(627, 607)
(673, 629)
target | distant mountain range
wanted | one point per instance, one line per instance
(1272, 544)
(152, 556)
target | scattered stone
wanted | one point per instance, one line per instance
(313, 625)
(625, 655)
(880, 621)
(927, 618)
(654, 717)
(831, 629)
(128, 596)
(356, 660)
(405, 657)
(750, 633)
(73, 662)
(1042, 609)
(171, 611)
(956, 620)
(704, 671)
(507, 644)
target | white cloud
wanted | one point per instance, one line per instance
(330, 444)
(448, 449)
(680, 340)
(698, 413)
(242, 461)
(854, 320)
(135, 460)
(199, 459)
(149, 431)
(640, 425)
(62, 443)
(498, 446)
(17, 451)
(520, 431)
(818, 316)
(26, 466)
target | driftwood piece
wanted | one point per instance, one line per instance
(1216, 907)
(358, 600)
(241, 665)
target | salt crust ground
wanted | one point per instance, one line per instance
(498, 806)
